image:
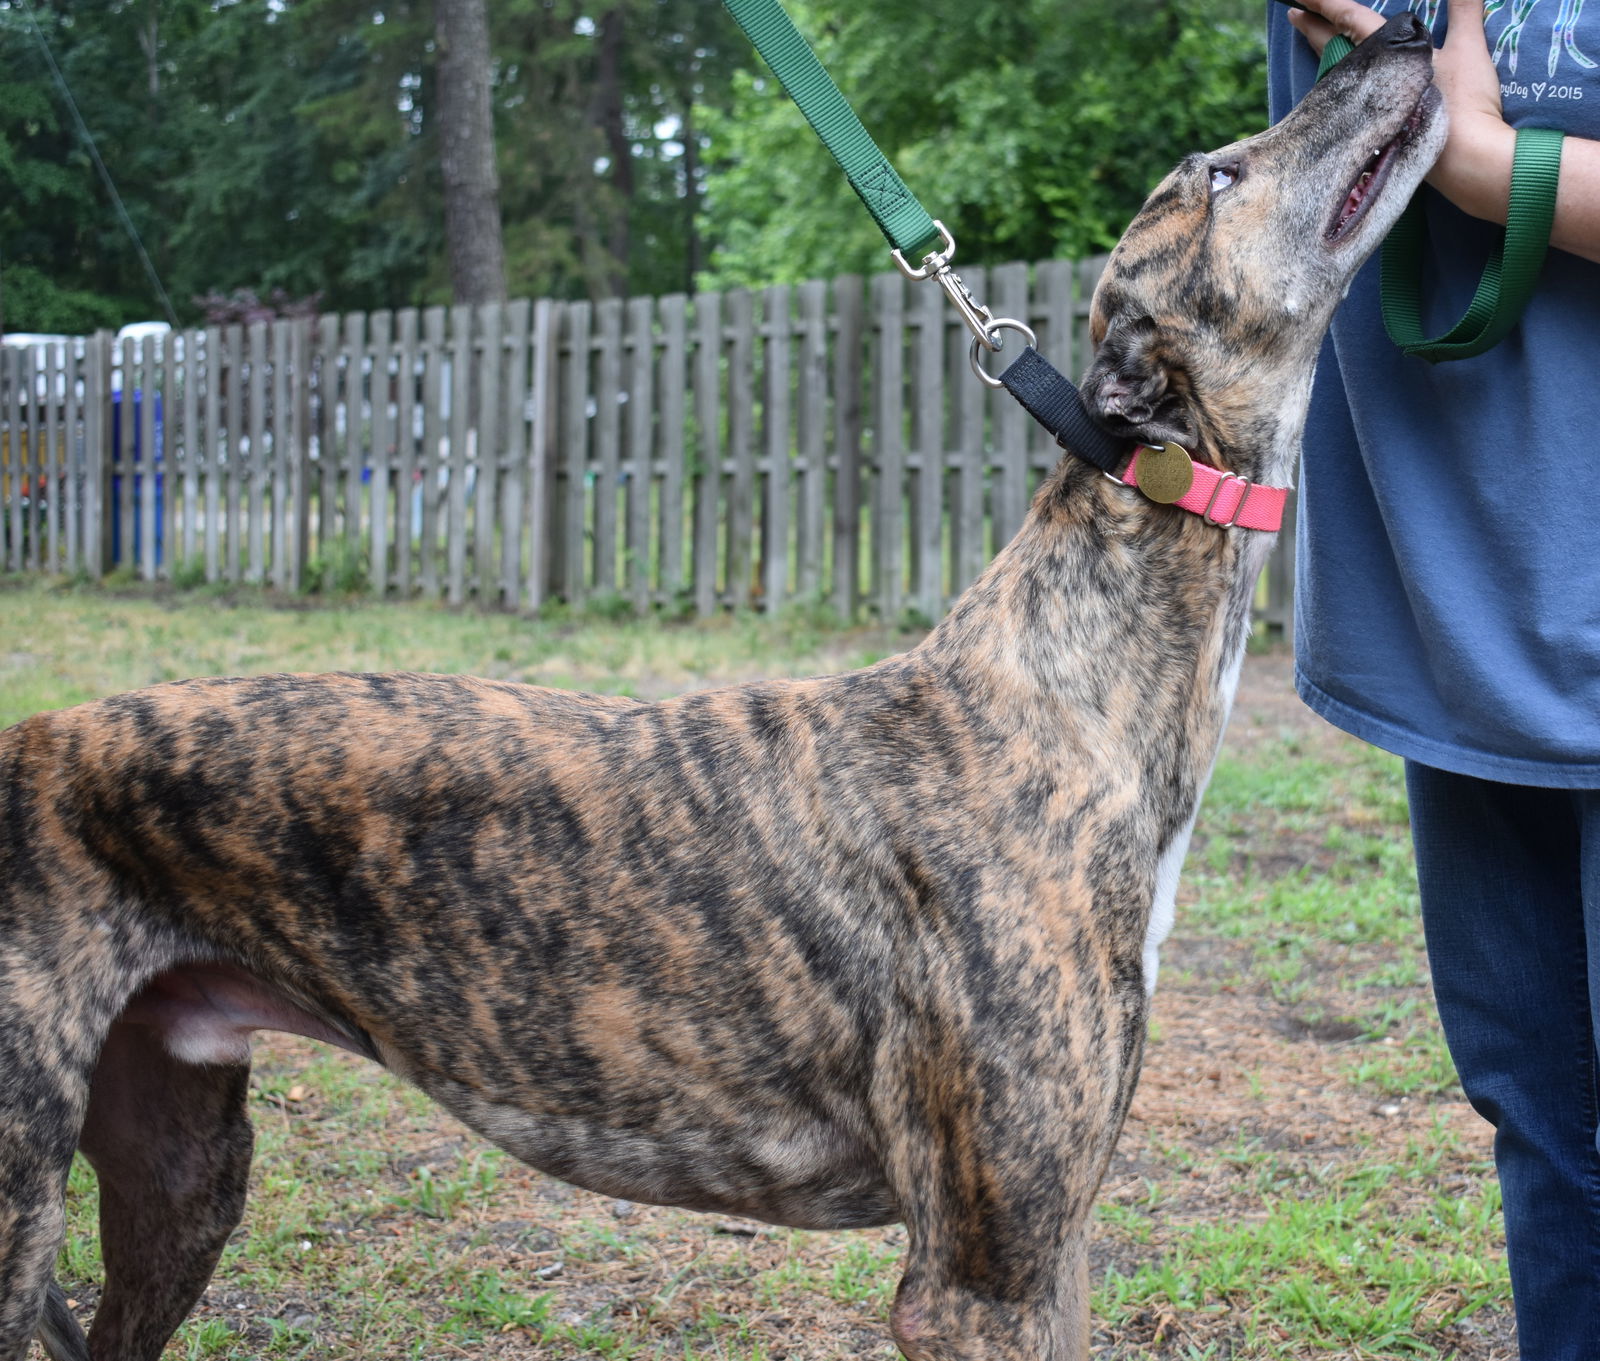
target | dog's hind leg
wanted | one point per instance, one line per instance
(43, 1089)
(170, 1142)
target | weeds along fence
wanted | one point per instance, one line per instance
(823, 443)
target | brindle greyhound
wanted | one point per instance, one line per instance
(830, 952)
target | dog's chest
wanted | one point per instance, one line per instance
(783, 1168)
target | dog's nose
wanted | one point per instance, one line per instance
(1406, 30)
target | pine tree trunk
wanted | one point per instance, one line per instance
(609, 114)
(466, 152)
(691, 192)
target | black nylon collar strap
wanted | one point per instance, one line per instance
(1052, 400)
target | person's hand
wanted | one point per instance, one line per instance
(1474, 170)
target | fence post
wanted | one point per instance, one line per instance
(888, 427)
(173, 439)
(514, 494)
(461, 387)
(927, 499)
(486, 492)
(300, 519)
(53, 464)
(672, 443)
(640, 453)
(122, 352)
(97, 508)
(257, 470)
(542, 504)
(185, 550)
(283, 460)
(776, 421)
(25, 463)
(969, 523)
(607, 442)
(72, 461)
(741, 446)
(406, 444)
(811, 435)
(379, 463)
(11, 460)
(849, 352)
(432, 436)
(230, 371)
(1008, 503)
(707, 457)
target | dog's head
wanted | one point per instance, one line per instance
(1211, 311)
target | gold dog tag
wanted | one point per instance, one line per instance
(1164, 472)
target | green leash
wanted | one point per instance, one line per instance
(912, 233)
(1046, 394)
(1509, 276)
(893, 207)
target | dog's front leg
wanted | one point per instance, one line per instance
(943, 1311)
(995, 1160)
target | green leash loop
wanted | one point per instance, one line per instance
(893, 207)
(1513, 267)
(1508, 277)
(1339, 47)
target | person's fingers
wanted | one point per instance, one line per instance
(1463, 67)
(1466, 27)
(1353, 20)
(1316, 30)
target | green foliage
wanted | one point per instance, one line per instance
(341, 569)
(1032, 135)
(35, 302)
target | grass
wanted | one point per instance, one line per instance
(61, 645)
(1298, 1179)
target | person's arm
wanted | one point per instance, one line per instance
(1474, 170)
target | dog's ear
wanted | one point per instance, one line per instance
(1137, 388)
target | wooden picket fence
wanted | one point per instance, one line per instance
(822, 443)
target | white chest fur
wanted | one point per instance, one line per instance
(1163, 909)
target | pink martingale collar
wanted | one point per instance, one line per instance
(1222, 499)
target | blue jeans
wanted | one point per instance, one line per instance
(1510, 880)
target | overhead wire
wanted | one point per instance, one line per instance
(100, 165)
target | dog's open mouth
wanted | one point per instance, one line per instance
(1374, 174)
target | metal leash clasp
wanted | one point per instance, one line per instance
(986, 328)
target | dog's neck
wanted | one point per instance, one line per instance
(1110, 626)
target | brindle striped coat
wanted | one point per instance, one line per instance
(827, 952)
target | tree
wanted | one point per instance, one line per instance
(600, 172)
(467, 152)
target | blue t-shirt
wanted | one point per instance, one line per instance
(1448, 578)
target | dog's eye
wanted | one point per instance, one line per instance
(1223, 177)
